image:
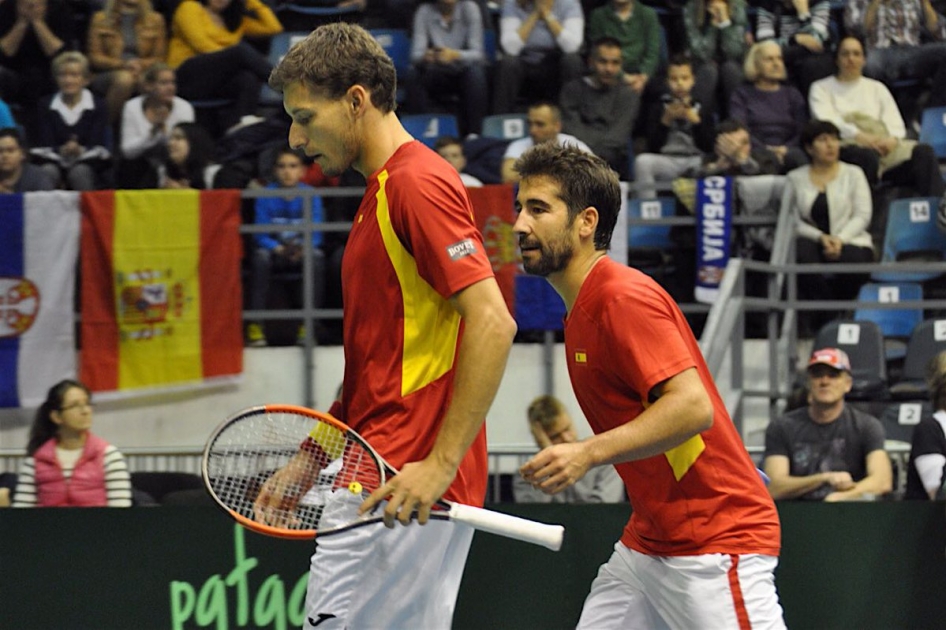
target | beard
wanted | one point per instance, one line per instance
(552, 258)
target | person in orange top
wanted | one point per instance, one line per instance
(211, 58)
(118, 63)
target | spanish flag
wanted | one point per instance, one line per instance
(160, 286)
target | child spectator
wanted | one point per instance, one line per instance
(73, 139)
(451, 149)
(681, 137)
(283, 250)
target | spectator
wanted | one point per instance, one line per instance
(284, 250)
(927, 469)
(773, 112)
(636, 27)
(189, 160)
(451, 149)
(66, 464)
(74, 139)
(211, 58)
(540, 40)
(600, 109)
(872, 129)
(897, 45)
(832, 203)
(125, 39)
(827, 450)
(448, 60)
(32, 33)
(16, 174)
(545, 125)
(733, 154)
(716, 32)
(146, 122)
(802, 29)
(680, 137)
(550, 424)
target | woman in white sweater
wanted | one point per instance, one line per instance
(831, 201)
(871, 125)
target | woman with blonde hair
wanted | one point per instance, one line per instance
(66, 464)
(927, 469)
(125, 39)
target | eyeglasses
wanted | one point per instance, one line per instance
(78, 405)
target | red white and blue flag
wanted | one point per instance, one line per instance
(39, 246)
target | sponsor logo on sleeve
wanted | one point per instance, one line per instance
(465, 247)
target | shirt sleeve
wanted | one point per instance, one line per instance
(117, 479)
(437, 227)
(776, 440)
(25, 495)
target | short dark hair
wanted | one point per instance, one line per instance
(606, 40)
(446, 141)
(584, 179)
(333, 58)
(13, 132)
(860, 40)
(814, 128)
(680, 59)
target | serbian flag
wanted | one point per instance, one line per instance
(39, 246)
(495, 215)
(161, 293)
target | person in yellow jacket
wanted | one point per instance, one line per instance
(213, 61)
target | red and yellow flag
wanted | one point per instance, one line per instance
(161, 292)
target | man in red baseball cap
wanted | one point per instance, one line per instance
(827, 451)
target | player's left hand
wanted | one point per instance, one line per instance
(557, 467)
(415, 488)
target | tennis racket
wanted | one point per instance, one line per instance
(300, 460)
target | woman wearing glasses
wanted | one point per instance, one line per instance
(67, 465)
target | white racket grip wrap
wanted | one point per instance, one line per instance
(549, 536)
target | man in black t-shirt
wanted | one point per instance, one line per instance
(827, 451)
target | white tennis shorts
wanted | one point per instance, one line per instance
(374, 577)
(704, 592)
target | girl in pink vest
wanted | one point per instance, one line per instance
(67, 465)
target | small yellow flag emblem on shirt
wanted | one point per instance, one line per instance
(581, 357)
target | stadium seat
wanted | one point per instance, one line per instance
(278, 47)
(648, 246)
(323, 11)
(505, 126)
(900, 418)
(933, 130)
(428, 127)
(397, 43)
(864, 344)
(928, 340)
(911, 235)
(896, 324)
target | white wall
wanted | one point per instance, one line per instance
(274, 375)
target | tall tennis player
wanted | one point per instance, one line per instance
(426, 338)
(702, 543)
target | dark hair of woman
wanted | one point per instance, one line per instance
(44, 429)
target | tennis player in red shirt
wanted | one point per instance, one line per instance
(702, 543)
(426, 337)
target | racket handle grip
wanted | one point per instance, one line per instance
(549, 536)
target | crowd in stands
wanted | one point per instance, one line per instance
(170, 93)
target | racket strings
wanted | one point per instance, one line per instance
(247, 454)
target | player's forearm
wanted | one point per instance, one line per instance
(668, 423)
(484, 349)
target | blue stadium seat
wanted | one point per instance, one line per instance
(897, 325)
(428, 127)
(911, 234)
(278, 47)
(505, 126)
(933, 129)
(397, 43)
(648, 246)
